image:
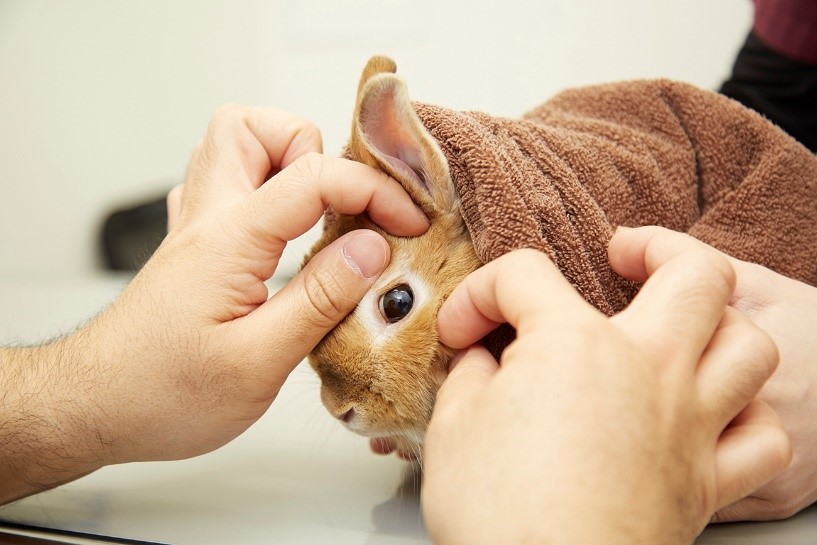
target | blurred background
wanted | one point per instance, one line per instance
(102, 102)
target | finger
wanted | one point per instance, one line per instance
(260, 139)
(748, 508)
(460, 323)
(471, 372)
(295, 319)
(627, 250)
(635, 253)
(174, 206)
(626, 253)
(759, 507)
(757, 288)
(522, 288)
(295, 199)
(739, 360)
(687, 288)
(243, 146)
(750, 453)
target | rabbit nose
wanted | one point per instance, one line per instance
(347, 416)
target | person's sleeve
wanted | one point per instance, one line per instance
(775, 72)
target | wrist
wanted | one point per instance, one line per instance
(48, 419)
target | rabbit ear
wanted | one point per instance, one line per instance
(387, 133)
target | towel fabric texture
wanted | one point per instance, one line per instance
(562, 177)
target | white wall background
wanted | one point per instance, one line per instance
(101, 102)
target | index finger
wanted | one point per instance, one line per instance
(242, 148)
(688, 286)
(523, 288)
(260, 140)
(295, 199)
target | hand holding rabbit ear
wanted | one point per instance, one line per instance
(643, 423)
(232, 227)
(192, 352)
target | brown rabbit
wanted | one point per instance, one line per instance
(380, 368)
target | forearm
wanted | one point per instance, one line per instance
(48, 431)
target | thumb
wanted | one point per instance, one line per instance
(472, 370)
(289, 325)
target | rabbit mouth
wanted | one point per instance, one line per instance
(355, 422)
(357, 425)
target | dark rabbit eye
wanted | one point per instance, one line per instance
(396, 303)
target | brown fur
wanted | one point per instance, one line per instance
(392, 385)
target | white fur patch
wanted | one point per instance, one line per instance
(368, 313)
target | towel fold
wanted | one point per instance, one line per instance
(562, 177)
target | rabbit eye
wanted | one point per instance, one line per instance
(396, 303)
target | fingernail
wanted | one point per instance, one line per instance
(423, 214)
(366, 252)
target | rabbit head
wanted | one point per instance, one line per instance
(381, 367)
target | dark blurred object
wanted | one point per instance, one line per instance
(782, 89)
(131, 235)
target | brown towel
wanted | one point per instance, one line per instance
(636, 153)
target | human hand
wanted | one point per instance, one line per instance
(237, 347)
(787, 310)
(630, 429)
(192, 352)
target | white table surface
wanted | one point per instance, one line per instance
(296, 477)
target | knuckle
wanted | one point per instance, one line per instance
(200, 160)
(324, 296)
(782, 450)
(663, 240)
(768, 350)
(705, 280)
(309, 164)
(310, 133)
(197, 149)
(227, 114)
(722, 271)
(307, 169)
(174, 196)
(759, 347)
(719, 273)
(173, 203)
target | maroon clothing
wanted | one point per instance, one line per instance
(775, 72)
(789, 27)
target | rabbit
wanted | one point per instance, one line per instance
(381, 367)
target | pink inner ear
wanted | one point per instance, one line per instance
(392, 139)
